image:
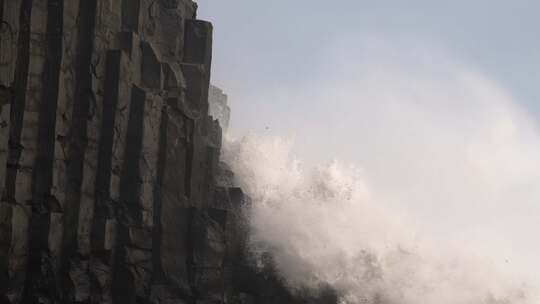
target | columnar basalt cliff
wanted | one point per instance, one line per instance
(112, 191)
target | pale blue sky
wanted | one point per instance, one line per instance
(264, 44)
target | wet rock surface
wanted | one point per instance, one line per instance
(112, 190)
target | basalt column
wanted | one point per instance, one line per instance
(107, 154)
(110, 180)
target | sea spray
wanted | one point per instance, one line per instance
(323, 226)
(441, 206)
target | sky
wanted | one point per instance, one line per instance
(434, 101)
(260, 47)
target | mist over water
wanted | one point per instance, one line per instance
(440, 206)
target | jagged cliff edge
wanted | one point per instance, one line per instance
(112, 190)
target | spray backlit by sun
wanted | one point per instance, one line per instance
(431, 139)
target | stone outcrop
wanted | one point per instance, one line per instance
(112, 190)
(219, 109)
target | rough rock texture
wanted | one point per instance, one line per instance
(218, 106)
(112, 191)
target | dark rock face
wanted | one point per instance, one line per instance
(112, 191)
(218, 106)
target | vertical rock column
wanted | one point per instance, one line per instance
(14, 58)
(37, 141)
(107, 154)
(28, 167)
